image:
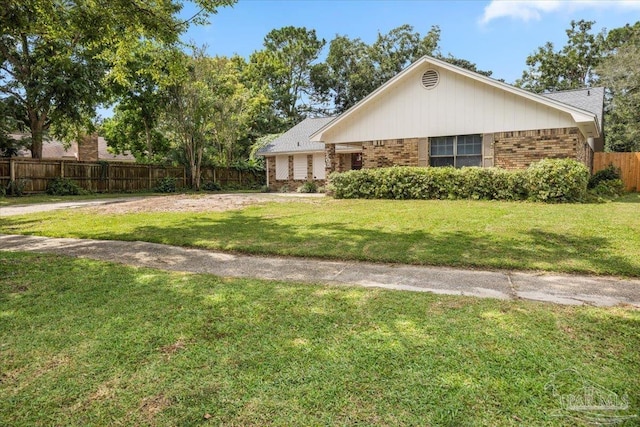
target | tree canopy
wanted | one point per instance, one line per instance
(54, 55)
(619, 72)
(571, 67)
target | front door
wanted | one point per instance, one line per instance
(356, 161)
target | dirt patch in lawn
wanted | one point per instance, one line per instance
(195, 203)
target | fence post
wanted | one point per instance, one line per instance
(12, 170)
(108, 175)
(61, 169)
(149, 175)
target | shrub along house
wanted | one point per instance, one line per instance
(436, 114)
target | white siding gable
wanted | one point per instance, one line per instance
(458, 105)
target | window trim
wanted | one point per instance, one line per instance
(455, 154)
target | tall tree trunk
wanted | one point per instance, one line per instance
(37, 133)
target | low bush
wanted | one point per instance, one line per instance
(167, 184)
(609, 189)
(610, 173)
(64, 187)
(557, 180)
(548, 181)
(16, 188)
(211, 186)
(430, 183)
(308, 187)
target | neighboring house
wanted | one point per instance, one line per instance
(91, 149)
(436, 114)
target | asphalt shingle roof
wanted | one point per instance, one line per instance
(588, 99)
(296, 139)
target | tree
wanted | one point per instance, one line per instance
(8, 146)
(138, 90)
(619, 73)
(207, 111)
(285, 65)
(235, 107)
(54, 54)
(572, 67)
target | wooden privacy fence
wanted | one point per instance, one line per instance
(99, 177)
(628, 163)
(107, 177)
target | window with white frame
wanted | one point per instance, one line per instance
(457, 151)
(282, 168)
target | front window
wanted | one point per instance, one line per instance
(457, 151)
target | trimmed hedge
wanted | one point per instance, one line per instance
(548, 181)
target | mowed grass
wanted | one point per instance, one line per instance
(31, 199)
(585, 238)
(91, 343)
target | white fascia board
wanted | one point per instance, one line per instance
(579, 115)
(291, 153)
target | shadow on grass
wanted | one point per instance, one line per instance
(243, 231)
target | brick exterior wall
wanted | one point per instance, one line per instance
(508, 150)
(88, 149)
(391, 152)
(517, 150)
(290, 183)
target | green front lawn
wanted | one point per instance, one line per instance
(585, 238)
(31, 199)
(91, 343)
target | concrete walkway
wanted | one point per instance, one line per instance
(556, 288)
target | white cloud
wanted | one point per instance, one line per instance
(528, 10)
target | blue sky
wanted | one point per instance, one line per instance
(496, 35)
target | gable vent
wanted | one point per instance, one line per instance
(430, 79)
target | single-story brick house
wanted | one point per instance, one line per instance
(436, 114)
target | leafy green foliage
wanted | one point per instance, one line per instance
(609, 189)
(208, 110)
(168, 184)
(607, 174)
(211, 186)
(308, 187)
(571, 67)
(54, 55)
(557, 180)
(16, 187)
(547, 181)
(620, 74)
(64, 187)
(285, 65)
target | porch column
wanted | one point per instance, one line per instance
(330, 159)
